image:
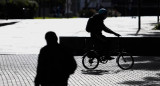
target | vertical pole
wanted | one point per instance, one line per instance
(139, 16)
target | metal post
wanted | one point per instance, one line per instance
(139, 16)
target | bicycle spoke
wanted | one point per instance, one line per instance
(124, 59)
(90, 62)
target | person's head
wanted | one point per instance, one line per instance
(103, 12)
(51, 38)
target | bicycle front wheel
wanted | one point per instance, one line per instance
(125, 61)
(90, 61)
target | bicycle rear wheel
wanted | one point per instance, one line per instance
(90, 60)
(125, 61)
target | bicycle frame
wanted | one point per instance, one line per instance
(91, 47)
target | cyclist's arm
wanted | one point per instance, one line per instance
(106, 29)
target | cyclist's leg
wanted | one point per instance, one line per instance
(106, 47)
(99, 44)
(103, 43)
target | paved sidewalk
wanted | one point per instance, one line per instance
(19, 70)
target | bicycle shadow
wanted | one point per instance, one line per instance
(99, 72)
(146, 63)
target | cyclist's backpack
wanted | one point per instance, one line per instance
(89, 25)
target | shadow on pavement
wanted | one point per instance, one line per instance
(147, 81)
(95, 72)
(4, 24)
(151, 63)
(149, 34)
(99, 72)
(146, 63)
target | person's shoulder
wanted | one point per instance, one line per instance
(95, 15)
(43, 48)
(46, 47)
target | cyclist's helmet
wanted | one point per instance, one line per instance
(102, 11)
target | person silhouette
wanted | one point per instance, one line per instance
(55, 63)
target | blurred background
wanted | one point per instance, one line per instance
(28, 9)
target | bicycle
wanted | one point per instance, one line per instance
(92, 58)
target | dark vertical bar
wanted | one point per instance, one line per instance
(51, 8)
(67, 8)
(124, 7)
(139, 16)
(158, 12)
(6, 10)
(43, 9)
(39, 10)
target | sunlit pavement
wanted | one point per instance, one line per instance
(20, 44)
(20, 70)
(27, 35)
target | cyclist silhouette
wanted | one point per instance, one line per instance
(95, 26)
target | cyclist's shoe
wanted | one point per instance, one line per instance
(109, 58)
